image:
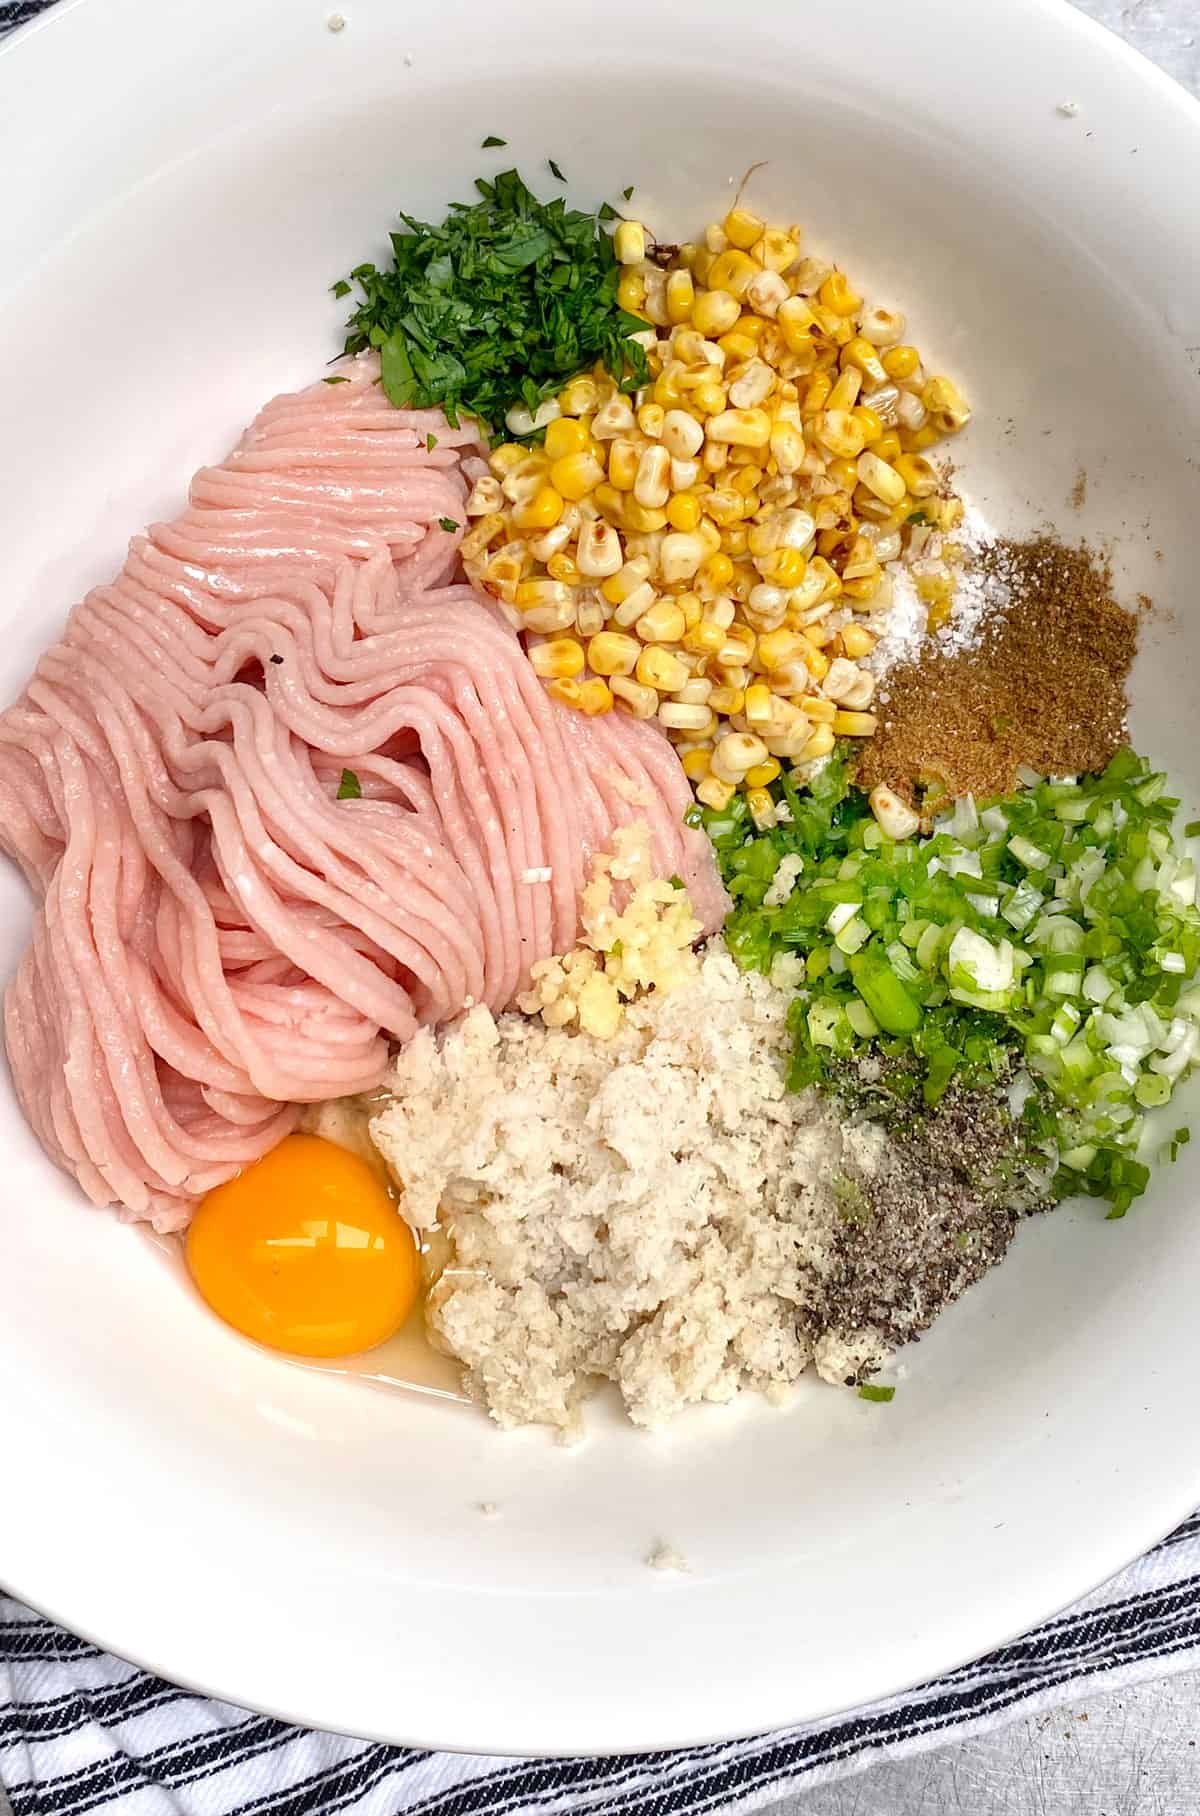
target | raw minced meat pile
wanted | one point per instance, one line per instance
(657, 1209)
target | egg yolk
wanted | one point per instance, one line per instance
(305, 1252)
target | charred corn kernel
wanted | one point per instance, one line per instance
(765, 291)
(579, 398)
(775, 249)
(539, 512)
(869, 422)
(481, 535)
(566, 692)
(777, 647)
(854, 725)
(663, 623)
(559, 660)
(618, 587)
(715, 574)
(613, 653)
(696, 765)
(737, 752)
(715, 793)
(740, 428)
(857, 642)
(743, 228)
(683, 511)
(598, 552)
(760, 806)
(714, 312)
(682, 435)
(635, 697)
(761, 775)
(561, 567)
(629, 243)
(680, 555)
(879, 478)
(732, 271)
(623, 457)
(704, 638)
(918, 474)
(650, 420)
(860, 354)
(820, 741)
(659, 669)
(708, 397)
(614, 417)
(565, 435)
(794, 320)
(594, 697)
(836, 294)
(948, 408)
(888, 445)
(840, 433)
(680, 296)
(901, 362)
(652, 484)
(759, 706)
(575, 475)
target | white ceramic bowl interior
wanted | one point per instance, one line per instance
(183, 185)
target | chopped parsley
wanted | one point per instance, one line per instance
(349, 788)
(448, 524)
(917, 517)
(555, 171)
(495, 306)
(431, 441)
(492, 140)
(676, 882)
(336, 379)
(1192, 829)
(626, 193)
(870, 1390)
(341, 288)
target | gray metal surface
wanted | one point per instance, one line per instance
(1132, 1752)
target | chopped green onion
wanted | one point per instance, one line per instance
(491, 141)
(870, 1390)
(349, 788)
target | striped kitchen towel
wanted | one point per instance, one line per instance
(81, 1730)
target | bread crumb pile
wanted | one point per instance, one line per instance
(653, 1208)
(647, 945)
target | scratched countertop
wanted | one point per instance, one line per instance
(1129, 1752)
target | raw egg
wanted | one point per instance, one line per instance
(305, 1252)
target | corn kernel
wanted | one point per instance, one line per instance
(732, 271)
(857, 642)
(704, 638)
(761, 775)
(681, 295)
(948, 408)
(504, 458)
(565, 436)
(888, 445)
(860, 354)
(638, 699)
(715, 793)
(836, 294)
(650, 420)
(659, 669)
(539, 512)
(575, 475)
(737, 345)
(854, 725)
(559, 660)
(696, 765)
(682, 435)
(631, 609)
(579, 398)
(683, 511)
(816, 394)
(818, 664)
(598, 552)
(709, 397)
(820, 742)
(915, 441)
(918, 474)
(759, 803)
(623, 457)
(561, 567)
(742, 428)
(783, 567)
(901, 362)
(613, 653)
(714, 312)
(567, 693)
(629, 243)
(663, 623)
(715, 573)
(869, 422)
(680, 555)
(776, 250)
(845, 391)
(595, 697)
(777, 647)
(727, 700)
(742, 228)
(631, 291)
(642, 519)
(619, 586)
(746, 479)
(840, 433)
(879, 478)
(651, 486)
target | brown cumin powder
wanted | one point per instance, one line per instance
(1042, 686)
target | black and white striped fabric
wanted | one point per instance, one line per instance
(83, 1731)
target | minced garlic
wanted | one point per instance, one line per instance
(646, 945)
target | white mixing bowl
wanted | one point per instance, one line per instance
(183, 182)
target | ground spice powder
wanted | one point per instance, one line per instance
(1043, 684)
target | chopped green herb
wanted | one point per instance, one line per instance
(871, 1391)
(495, 306)
(336, 378)
(448, 524)
(341, 288)
(492, 140)
(1192, 829)
(626, 193)
(609, 213)
(349, 788)
(431, 441)
(676, 882)
(917, 517)
(555, 171)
